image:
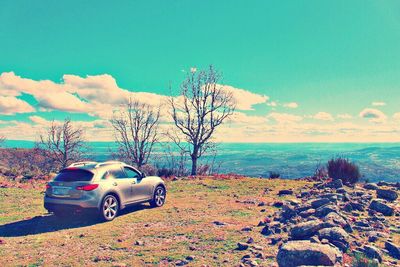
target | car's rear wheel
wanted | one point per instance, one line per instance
(159, 197)
(109, 208)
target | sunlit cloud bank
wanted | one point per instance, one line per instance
(26, 107)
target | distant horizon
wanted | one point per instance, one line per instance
(222, 142)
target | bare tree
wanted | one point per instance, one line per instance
(202, 106)
(2, 140)
(136, 131)
(64, 143)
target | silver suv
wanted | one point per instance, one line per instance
(105, 187)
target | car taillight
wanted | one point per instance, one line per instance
(48, 186)
(88, 187)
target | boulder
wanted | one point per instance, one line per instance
(335, 184)
(288, 212)
(370, 186)
(380, 206)
(325, 210)
(357, 206)
(335, 218)
(242, 246)
(387, 194)
(285, 192)
(319, 202)
(373, 253)
(307, 213)
(297, 253)
(393, 249)
(305, 230)
(336, 236)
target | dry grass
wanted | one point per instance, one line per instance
(183, 227)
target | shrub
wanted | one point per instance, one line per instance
(149, 169)
(274, 175)
(165, 172)
(203, 169)
(341, 168)
(320, 173)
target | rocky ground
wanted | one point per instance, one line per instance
(213, 221)
(328, 224)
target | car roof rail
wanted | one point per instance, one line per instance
(108, 162)
(82, 163)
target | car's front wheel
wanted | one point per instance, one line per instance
(109, 208)
(159, 197)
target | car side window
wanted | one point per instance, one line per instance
(114, 174)
(130, 173)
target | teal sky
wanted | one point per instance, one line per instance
(336, 57)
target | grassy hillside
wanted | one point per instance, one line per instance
(202, 219)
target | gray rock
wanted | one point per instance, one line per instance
(307, 213)
(242, 246)
(336, 236)
(285, 192)
(335, 184)
(357, 206)
(387, 194)
(319, 202)
(393, 249)
(335, 218)
(380, 206)
(325, 210)
(373, 253)
(305, 230)
(297, 253)
(181, 262)
(287, 212)
(371, 186)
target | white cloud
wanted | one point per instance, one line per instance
(245, 100)
(242, 118)
(378, 104)
(396, 116)
(344, 116)
(323, 116)
(373, 115)
(38, 120)
(291, 105)
(284, 117)
(10, 105)
(272, 104)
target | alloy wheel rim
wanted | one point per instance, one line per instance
(110, 207)
(160, 196)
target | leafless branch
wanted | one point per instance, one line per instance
(64, 143)
(202, 106)
(136, 130)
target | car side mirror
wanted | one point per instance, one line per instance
(143, 175)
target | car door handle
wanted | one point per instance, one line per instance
(134, 182)
(115, 184)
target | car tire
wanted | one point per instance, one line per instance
(109, 208)
(159, 197)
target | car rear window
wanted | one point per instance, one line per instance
(69, 175)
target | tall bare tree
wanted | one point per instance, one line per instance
(202, 106)
(136, 130)
(2, 140)
(64, 143)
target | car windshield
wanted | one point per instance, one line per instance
(73, 175)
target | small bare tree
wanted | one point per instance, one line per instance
(202, 106)
(136, 131)
(64, 143)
